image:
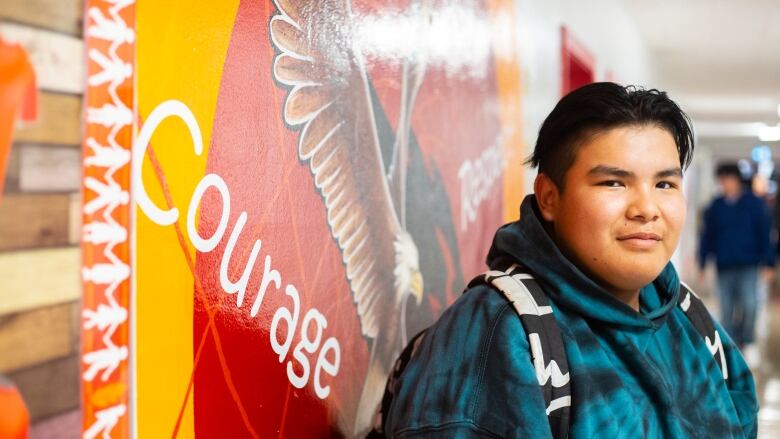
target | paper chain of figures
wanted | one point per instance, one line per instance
(104, 158)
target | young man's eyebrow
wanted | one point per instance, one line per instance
(610, 171)
(672, 172)
(604, 170)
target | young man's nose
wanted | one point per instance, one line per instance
(643, 206)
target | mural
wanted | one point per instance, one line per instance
(313, 182)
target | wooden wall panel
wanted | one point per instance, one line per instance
(34, 278)
(40, 289)
(49, 168)
(75, 325)
(74, 219)
(60, 15)
(37, 336)
(12, 171)
(34, 220)
(49, 388)
(59, 121)
(58, 59)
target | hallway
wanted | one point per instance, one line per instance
(764, 360)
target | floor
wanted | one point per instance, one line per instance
(63, 426)
(766, 371)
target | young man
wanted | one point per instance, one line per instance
(597, 235)
(736, 230)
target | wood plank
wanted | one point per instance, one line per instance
(58, 59)
(34, 220)
(74, 219)
(36, 336)
(59, 121)
(49, 388)
(12, 171)
(60, 15)
(75, 325)
(49, 168)
(35, 278)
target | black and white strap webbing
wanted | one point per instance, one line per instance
(700, 318)
(548, 354)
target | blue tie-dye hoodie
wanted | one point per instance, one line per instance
(644, 374)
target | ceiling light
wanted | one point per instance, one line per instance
(769, 133)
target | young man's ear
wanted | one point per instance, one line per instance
(547, 196)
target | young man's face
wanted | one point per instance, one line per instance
(622, 207)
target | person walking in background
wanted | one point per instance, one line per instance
(737, 231)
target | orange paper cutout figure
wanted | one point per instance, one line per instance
(14, 418)
(17, 97)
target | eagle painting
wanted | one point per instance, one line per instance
(362, 179)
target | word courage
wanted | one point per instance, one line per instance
(328, 358)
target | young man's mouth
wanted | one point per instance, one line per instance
(640, 240)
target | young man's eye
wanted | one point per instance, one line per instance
(611, 183)
(666, 185)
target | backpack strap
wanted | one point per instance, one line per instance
(701, 319)
(548, 355)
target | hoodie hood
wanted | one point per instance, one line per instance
(526, 242)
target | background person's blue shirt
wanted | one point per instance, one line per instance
(737, 233)
(633, 374)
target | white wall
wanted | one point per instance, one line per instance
(604, 27)
(699, 189)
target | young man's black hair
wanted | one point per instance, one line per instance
(599, 107)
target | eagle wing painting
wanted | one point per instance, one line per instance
(322, 66)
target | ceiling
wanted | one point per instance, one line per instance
(719, 58)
